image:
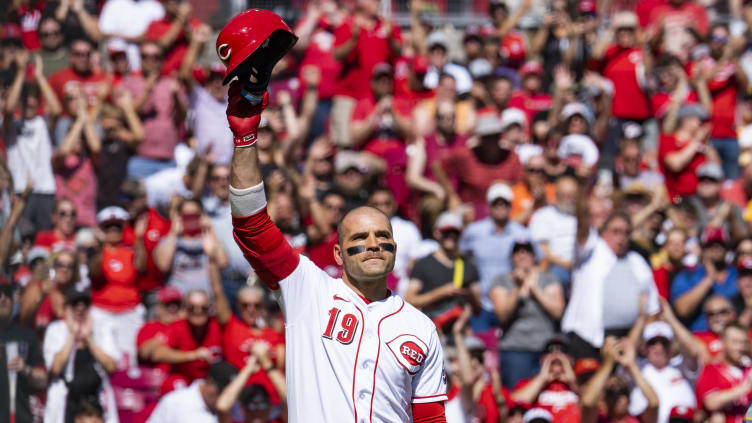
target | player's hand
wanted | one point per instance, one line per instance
(243, 116)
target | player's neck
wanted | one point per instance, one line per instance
(372, 290)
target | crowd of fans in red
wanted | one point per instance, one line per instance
(569, 187)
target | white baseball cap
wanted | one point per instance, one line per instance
(657, 329)
(538, 414)
(577, 108)
(449, 220)
(499, 190)
(112, 214)
(579, 145)
(513, 116)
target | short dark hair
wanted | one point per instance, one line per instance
(87, 406)
(734, 324)
(29, 89)
(619, 214)
(91, 43)
(341, 230)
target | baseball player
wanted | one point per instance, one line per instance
(356, 352)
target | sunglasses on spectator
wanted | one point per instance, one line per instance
(334, 207)
(46, 34)
(151, 56)
(173, 305)
(62, 265)
(500, 202)
(721, 312)
(534, 170)
(193, 309)
(450, 233)
(66, 213)
(444, 116)
(80, 303)
(477, 355)
(216, 178)
(75, 53)
(244, 305)
(112, 225)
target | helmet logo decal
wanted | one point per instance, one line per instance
(226, 54)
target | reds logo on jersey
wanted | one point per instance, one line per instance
(115, 265)
(409, 351)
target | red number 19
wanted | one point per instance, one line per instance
(349, 325)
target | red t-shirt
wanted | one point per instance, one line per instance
(66, 79)
(180, 337)
(712, 342)
(371, 49)
(688, 14)
(116, 291)
(558, 399)
(723, 89)
(237, 341)
(531, 104)
(152, 330)
(486, 409)
(402, 90)
(644, 9)
(661, 102)
(29, 17)
(719, 376)
(52, 241)
(475, 177)
(734, 192)
(620, 65)
(683, 182)
(322, 255)
(156, 228)
(320, 54)
(173, 54)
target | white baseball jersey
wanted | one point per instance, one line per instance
(349, 360)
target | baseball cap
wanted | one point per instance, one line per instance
(681, 414)
(578, 145)
(745, 266)
(631, 130)
(116, 46)
(222, 373)
(488, 124)
(538, 415)
(587, 7)
(420, 64)
(513, 116)
(112, 214)
(657, 329)
(625, 19)
(714, 234)
(37, 253)
(345, 160)
(531, 68)
(437, 39)
(217, 67)
(449, 221)
(169, 294)
(692, 110)
(381, 69)
(577, 108)
(523, 244)
(472, 33)
(586, 365)
(710, 170)
(480, 68)
(76, 293)
(473, 343)
(513, 47)
(556, 342)
(499, 190)
(255, 398)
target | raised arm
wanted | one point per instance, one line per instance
(52, 106)
(221, 305)
(232, 391)
(466, 376)
(594, 388)
(176, 27)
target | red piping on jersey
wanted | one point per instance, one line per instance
(355, 366)
(378, 353)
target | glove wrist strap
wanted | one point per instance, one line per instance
(246, 140)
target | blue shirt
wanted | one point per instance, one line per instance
(491, 251)
(688, 279)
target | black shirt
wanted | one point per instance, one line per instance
(30, 349)
(433, 274)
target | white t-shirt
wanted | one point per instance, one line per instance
(129, 19)
(183, 405)
(163, 185)
(30, 155)
(408, 239)
(555, 228)
(55, 337)
(672, 389)
(210, 125)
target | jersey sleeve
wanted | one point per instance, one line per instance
(430, 383)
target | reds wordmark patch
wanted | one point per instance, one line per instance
(409, 351)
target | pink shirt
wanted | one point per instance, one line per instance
(76, 180)
(161, 132)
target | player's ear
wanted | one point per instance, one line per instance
(338, 255)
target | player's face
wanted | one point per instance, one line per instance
(366, 243)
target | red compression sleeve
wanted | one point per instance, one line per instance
(429, 412)
(265, 248)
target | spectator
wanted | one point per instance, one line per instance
(531, 98)
(741, 300)
(725, 385)
(608, 283)
(79, 75)
(720, 313)
(185, 181)
(680, 22)
(675, 91)
(322, 232)
(197, 402)
(88, 412)
(53, 50)
(681, 153)
(192, 343)
(630, 165)
(114, 274)
(669, 262)
(27, 141)
(44, 298)
(438, 49)
(171, 31)
(169, 310)
(440, 284)
(183, 254)
(692, 287)
(529, 303)
(711, 209)
(614, 389)
(533, 192)
(555, 387)
(363, 40)
(62, 235)
(492, 159)
(128, 20)
(739, 191)
(554, 228)
(79, 355)
(79, 18)
(161, 104)
(489, 242)
(24, 371)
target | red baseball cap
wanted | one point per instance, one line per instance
(420, 64)
(586, 365)
(169, 294)
(587, 7)
(513, 47)
(531, 68)
(714, 234)
(682, 412)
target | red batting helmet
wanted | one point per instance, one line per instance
(251, 44)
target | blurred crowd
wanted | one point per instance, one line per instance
(569, 186)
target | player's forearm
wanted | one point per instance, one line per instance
(245, 171)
